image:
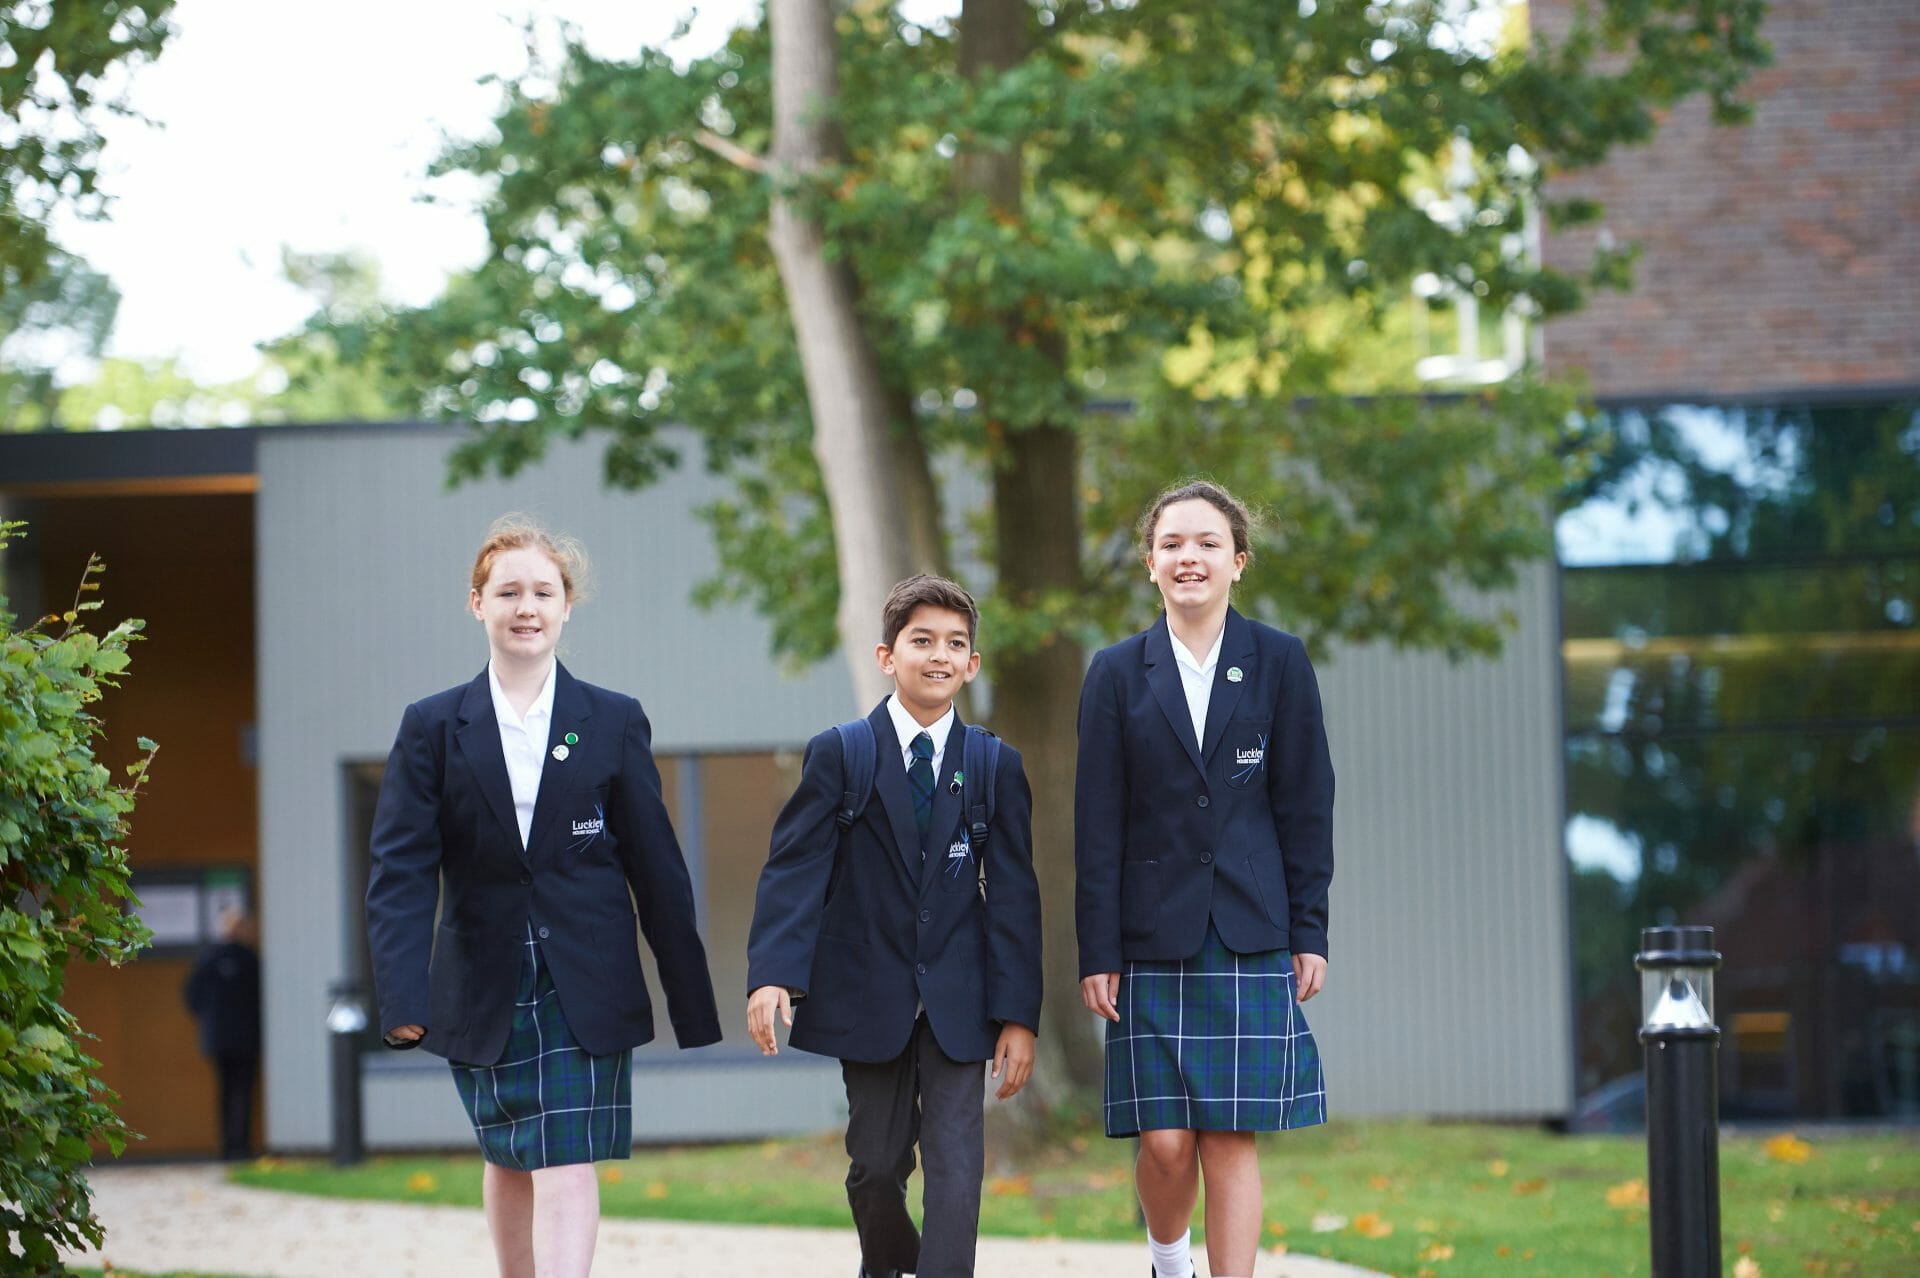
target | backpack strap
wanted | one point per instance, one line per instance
(858, 753)
(980, 760)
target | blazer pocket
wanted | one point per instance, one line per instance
(1245, 752)
(1270, 877)
(833, 993)
(448, 983)
(1139, 899)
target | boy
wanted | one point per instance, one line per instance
(913, 952)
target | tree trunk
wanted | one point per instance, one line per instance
(879, 488)
(1037, 553)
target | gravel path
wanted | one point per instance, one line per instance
(166, 1218)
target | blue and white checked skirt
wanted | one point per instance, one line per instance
(1215, 1042)
(547, 1102)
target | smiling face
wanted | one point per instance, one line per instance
(523, 606)
(1192, 558)
(930, 660)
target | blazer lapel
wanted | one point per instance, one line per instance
(1236, 654)
(1163, 676)
(571, 711)
(890, 783)
(946, 803)
(479, 738)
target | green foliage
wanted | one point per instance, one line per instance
(1220, 212)
(63, 895)
(67, 311)
(55, 56)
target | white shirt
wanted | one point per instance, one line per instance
(523, 739)
(1196, 679)
(907, 728)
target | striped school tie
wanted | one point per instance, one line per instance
(920, 781)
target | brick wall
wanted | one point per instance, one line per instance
(1781, 255)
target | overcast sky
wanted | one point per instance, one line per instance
(311, 126)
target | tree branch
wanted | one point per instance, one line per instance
(730, 151)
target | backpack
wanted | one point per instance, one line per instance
(979, 759)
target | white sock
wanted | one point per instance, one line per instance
(1172, 1259)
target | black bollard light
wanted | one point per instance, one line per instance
(1682, 1046)
(346, 1022)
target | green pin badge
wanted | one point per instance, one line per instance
(573, 738)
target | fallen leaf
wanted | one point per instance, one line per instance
(1277, 1229)
(1498, 1167)
(1436, 1251)
(656, 1189)
(1380, 1182)
(1746, 1267)
(1368, 1224)
(1010, 1186)
(1522, 1188)
(1788, 1148)
(422, 1182)
(611, 1175)
(1628, 1193)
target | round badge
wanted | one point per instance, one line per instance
(560, 753)
(573, 739)
(1234, 675)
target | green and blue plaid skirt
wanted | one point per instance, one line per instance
(1215, 1042)
(547, 1102)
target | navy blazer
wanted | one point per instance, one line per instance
(869, 928)
(444, 830)
(1170, 831)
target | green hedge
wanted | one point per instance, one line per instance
(63, 895)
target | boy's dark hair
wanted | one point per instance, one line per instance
(925, 590)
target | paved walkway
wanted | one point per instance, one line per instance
(160, 1219)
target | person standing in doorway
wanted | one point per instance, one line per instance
(525, 808)
(1203, 848)
(223, 993)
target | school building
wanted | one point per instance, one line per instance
(1707, 712)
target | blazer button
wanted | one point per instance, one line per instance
(1206, 858)
(926, 916)
(1201, 801)
(543, 934)
(920, 968)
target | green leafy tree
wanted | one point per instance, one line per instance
(67, 312)
(857, 251)
(63, 895)
(55, 58)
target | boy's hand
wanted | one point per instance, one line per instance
(1309, 974)
(1099, 991)
(760, 1008)
(1013, 1058)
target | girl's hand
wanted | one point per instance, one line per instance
(1098, 993)
(761, 1005)
(404, 1035)
(1309, 974)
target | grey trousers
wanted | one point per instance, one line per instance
(919, 1095)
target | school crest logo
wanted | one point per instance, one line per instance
(1248, 760)
(587, 829)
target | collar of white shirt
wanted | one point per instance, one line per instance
(1185, 657)
(541, 711)
(906, 727)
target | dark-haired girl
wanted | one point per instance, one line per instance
(1203, 844)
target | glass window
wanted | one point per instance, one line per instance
(1742, 674)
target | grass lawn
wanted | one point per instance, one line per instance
(1408, 1198)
